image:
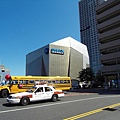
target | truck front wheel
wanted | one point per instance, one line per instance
(4, 93)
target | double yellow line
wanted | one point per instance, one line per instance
(91, 112)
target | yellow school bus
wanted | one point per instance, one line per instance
(15, 84)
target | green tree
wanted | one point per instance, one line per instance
(86, 75)
(99, 78)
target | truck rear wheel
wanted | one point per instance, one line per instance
(4, 93)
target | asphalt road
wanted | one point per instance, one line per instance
(74, 106)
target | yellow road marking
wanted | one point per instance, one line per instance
(91, 112)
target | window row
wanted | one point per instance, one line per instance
(40, 81)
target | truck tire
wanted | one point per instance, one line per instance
(54, 98)
(25, 101)
(4, 93)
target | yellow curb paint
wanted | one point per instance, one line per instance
(91, 112)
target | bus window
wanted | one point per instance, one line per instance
(61, 81)
(49, 81)
(37, 81)
(21, 81)
(31, 81)
(68, 81)
(41, 81)
(57, 82)
(25, 81)
(14, 82)
(45, 81)
(65, 81)
(53, 81)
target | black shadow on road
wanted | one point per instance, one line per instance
(100, 91)
(36, 102)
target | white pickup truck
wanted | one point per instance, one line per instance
(36, 93)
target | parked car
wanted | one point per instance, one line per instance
(36, 93)
(85, 84)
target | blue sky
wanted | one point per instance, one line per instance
(26, 25)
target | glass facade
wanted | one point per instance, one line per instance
(89, 32)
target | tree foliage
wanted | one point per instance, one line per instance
(86, 75)
(99, 77)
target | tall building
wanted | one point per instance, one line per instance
(108, 18)
(65, 57)
(89, 32)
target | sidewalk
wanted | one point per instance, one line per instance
(97, 90)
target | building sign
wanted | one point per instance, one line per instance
(46, 51)
(57, 51)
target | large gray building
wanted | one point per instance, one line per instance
(108, 18)
(89, 32)
(65, 57)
